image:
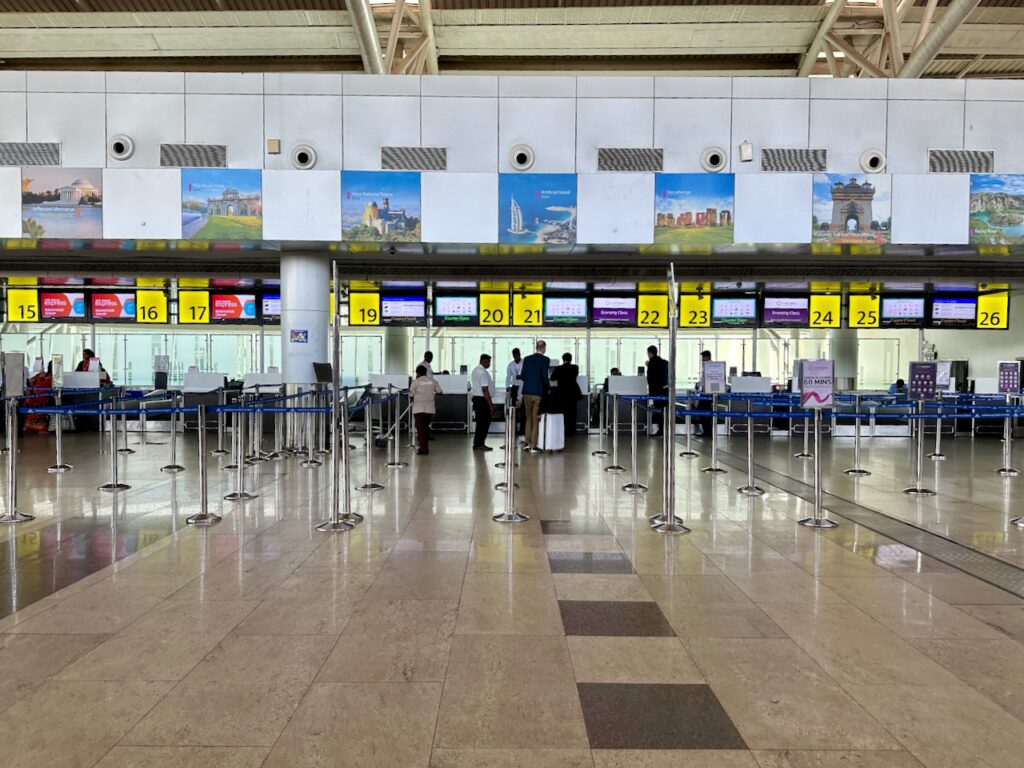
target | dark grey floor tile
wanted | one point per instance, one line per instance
(614, 619)
(589, 525)
(589, 562)
(637, 716)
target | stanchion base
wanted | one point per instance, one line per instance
(615, 469)
(228, 467)
(937, 456)
(172, 469)
(58, 469)
(322, 452)
(1018, 521)
(353, 518)
(660, 519)
(510, 517)
(240, 496)
(370, 487)
(803, 455)
(915, 491)
(311, 463)
(714, 470)
(688, 455)
(504, 486)
(1007, 472)
(396, 464)
(125, 451)
(332, 526)
(751, 490)
(216, 451)
(856, 472)
(675, 528)
(634, 488)
(501, 465)
(16, 517)
(202, 519)
(114, 487)
(599, 452)
(817, 522)
(277, 456)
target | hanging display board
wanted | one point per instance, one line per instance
(994, 311)
(193, 307)
(151, 307)
(694, 311)
(528, 309)
(826, 311)
(652, 311)
(864, 311)
(494, 310)
(22, 305)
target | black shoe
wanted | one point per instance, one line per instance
(422, 453)
(482, 448)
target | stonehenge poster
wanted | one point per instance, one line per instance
(537, 208)
(997, 209)
(62, 203)
(380, 206)
(694, 209)
(221, 204)
(851, 208)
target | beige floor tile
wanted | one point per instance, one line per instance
(65, 724)
(246, 575)
(780, 699)
(101, 609)
(388, 725)
(306, 606)
(509, 604)
(354, 551)
(183, 757)
(162, 645)
(1008, 619)
(420, 576)
(511, 758)
(240, 695)
(961, 589)
(506, 551)
(661, 758)
(631, 660)
(709, 606)
(394, 641)
(581, 543)
(600, 586)
(28, 661)
(946, 727)
(670, 557)
(785, 587)
(815, 759)
(683, 590)
(510, 693)
(994, 667)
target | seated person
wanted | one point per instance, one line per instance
(899, 388)
(87, 356)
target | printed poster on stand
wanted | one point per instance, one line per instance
(62, 203)
(816, 384)
(997, 209)
(381, 206)
(694, 209)
(852, 208)
(221, 204)
(537, 208)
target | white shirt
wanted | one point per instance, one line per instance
(430, 371)
(512, 374)
(482, 380)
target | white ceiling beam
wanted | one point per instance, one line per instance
(925, 23)
(427, 25)
(955, 15)
(396, 27)
(811, 55)
(366, 35)
(854, 55)
(892, 28)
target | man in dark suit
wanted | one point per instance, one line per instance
(536, 382)
(567, 392)
(657, 386)
(705, 423)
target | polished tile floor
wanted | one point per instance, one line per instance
(432, 636)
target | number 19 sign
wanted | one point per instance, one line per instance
(816, 384)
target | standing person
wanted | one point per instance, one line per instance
(657, 386)
(567, 392)
(536, 383)
(513, 384)
(704, 423)
(428, 358)
(422, 392)
(483, 405)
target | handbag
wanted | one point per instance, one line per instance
(68, 424)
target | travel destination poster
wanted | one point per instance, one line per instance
(997, 209)
(694, 209)
(537, 208)
(851, 208)
(62, 203)
(381, 206)
(221, 204)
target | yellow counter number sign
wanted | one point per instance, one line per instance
(694, 311)
(994, 311)
(494, 309)
(528, 309)
(364, 309)
(863, 311)
(22, 305)
(652, 311)
(193, 307)
(151, 307)
(826, 311)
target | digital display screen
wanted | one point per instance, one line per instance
(614, 286)
(239, 307)
(402, 284)
(56, 281)
(565, 311)
(232, 282)
(403, 310)
(455, 284)
(902, 312)
(112, 306)
(614, 310)
(566, 286)
(786, 311)
(955, 287)
(62, 306)
(456, 310)
(729, 312)
(126, 281)
(954, 312)
(271, 305)
(720, 286)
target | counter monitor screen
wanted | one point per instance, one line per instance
(62, 306)
(565, 311)
(902, 312)
(614, 286)
(733, 312)
(786, 311)
(271, 306)
(954, 312)
(233, 307)
(456, 310)
(403, 310)
(614, 311)
(112, 306)
(566, 286)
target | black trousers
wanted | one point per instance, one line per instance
(513, 393)
(707, 423)
(482, 416)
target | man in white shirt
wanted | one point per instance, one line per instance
(483, 405)
(428, 358)
(513, 384)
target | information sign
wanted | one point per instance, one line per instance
(816, 384)
(694, 311)
(22, 305)
(528, 309)
(494, 309)
(826, 311)
(193, 307)
(713, 377)
(1009, 377)
(923, 380)
(652, 311)
(994, 311)
(863, 311)
(364, 309)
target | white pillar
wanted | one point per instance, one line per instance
(397, 343)
(305, 315)
(844, 355)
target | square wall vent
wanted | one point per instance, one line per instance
(794, 160)
(29, 153)
(634, 159)
(414, 158)
(193, 155)
(961, 161)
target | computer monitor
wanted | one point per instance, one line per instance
(324, 373)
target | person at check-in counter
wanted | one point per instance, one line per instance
(536, 383)
(898, 388)
(422, 392)
(567, 392)
(428, 358)
(483, 403)
(657, 385)
(705, 424)
(513, 384)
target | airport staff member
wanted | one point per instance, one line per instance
(657, 385)
(536, 382)
(483, 405)
(512, 385)
(428, 358)
(422, 392)
(706, 423)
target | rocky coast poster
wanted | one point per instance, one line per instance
(538, 208)
(997, 209)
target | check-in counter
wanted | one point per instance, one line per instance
(83, 380)
(625, 385)
(200, 388)
(452, 409)
(754, 386)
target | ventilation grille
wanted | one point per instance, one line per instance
(29, 153)
(193, 156)
(794, 160)
(630, 159)
(414, 158)
(961, 161)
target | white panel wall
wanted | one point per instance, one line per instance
(684, 128)
(611, 123)
(917, 126)
(234, 120)
(460, 207)
(615, 208)
(773, 208)
(12, 116)
(375, 122)
(466, 127)
(768, 123)
(302, 205)
(76, 120)
(149, 119)
(930, 208)
(846, 128)
(548, 125)
(10, 202)
(312, 120)
(985, 127)
(159, 219)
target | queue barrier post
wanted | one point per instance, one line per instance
(751, 488)
(805, 453)
(279, 453)
(856, 470)
(668, 449)
(937, 454)
(222, 400)
(714, 468)
(59, 466)
(602, 418)
(369, 485)
(818, 520)
(1007, 470)
(342, 518)
(396, 417)
(688, 452)
(115, 484)
(258, 453)
(918, 489)
(174, 467)
(311, 461)
(321, 422)
(238, 441)
(615, 468)
(634, 485)
(203, 518)
(12, 515)
(508, 485)
(124, 450)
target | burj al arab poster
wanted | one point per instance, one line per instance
(537, 208)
